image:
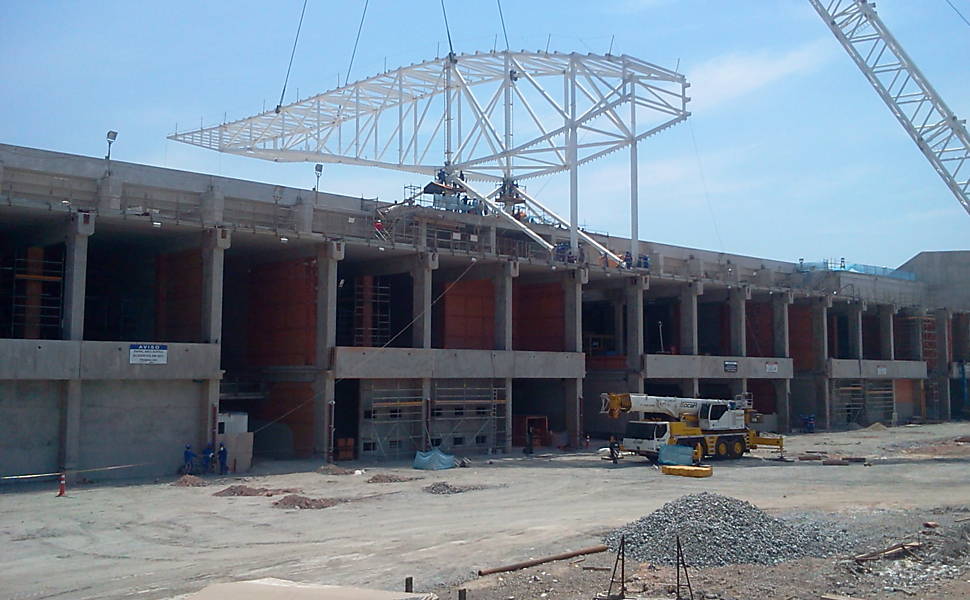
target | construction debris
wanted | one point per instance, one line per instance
(687, 471)
(386, 478)
(839, 462)
(245, 490)
(717, 530)
(302, 502)
(539, 561)
(334, 470)
(894, 551)
(443, 487)
(189, 481)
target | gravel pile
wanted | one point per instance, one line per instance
(189, 481)
(295, 501)
(717, 530)
(245, 490)
(443, 487)
(334, 470)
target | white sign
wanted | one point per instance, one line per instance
(771, 367)
(880, 370)
(148, 354)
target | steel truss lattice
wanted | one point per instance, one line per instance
(940, 136)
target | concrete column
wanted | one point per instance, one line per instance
(573, 303)
(779, 321)
(109, 193)
(508, 415)
(737, 301)
(823, 399)
(422, 241)
(855, 329)
(328, 254)
(493, 239)
(633, 292)
(820, 332)
(886, 333)
(214, 244)
(690, 388)
(574, 401)
(502, 280)
(425, 263)
(738, 386)
(783, 404)
(426, 410)
(942, 367)
(79, 228)
(688, 316)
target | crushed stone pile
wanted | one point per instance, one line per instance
(718, 530)
(334, 470)
(189, 481)
(877, 426)
(443, 487)
(385, 478)
(296, 501)
(245, 490)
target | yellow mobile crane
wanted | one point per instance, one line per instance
(720, 428)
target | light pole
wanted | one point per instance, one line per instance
(318, 170)
(110, 137)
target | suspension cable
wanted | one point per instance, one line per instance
(506, 33)
(353, 54)
(292, 54)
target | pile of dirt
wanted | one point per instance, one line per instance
(443, 487)
(877, 426)
(334, 470)
(382, 478)
(245, 490)
(302, 502)
(189, 481)
(717, 530)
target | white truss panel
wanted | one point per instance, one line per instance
(492, 116)
(940, 136)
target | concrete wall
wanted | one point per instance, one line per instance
(876, 369)
(945, 274)
(56, 359)
(670, 366)
(594, 384)
(125, 422)
(805, 401)
(399, 363)
(31, 419)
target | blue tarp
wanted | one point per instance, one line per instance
(435, 460)
(676, 455)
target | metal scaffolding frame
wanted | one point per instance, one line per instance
(470, 410)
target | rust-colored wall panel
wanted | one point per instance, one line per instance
(871, 340)
(282, 313)
(763, 394)
(468, 315)
(539, 317)
(297, 397)
(760, 332)
(178, 278)
(800, 337)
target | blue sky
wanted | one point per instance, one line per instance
(795, 155)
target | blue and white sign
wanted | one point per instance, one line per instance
(148, 354)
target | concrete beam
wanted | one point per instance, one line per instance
(109, 193)
(688, 316)
(402, 264)
(779, 321)
(79, 228)
(737, 302)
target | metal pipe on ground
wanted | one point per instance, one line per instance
(539, 561)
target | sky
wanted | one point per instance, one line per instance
(789, 153)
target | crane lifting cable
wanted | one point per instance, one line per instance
(296, 39)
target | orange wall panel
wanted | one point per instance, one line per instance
(282, 313)
(801, 342)
(538, 317)
(468, 315)
(178, 278)
(760, 329)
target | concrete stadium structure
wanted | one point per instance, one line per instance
(352, 327)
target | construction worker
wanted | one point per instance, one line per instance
(207, 455)
(188, 456)
(223, 459)
(614, 449)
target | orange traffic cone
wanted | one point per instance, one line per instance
(62, 487)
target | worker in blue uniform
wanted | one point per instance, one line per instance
(188, 456)
(223, 459)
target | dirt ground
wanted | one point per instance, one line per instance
(154, 540)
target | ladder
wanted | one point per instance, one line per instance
(940, 136)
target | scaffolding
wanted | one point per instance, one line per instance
(32, 294)
(880, 403)
(372, 311)
(468, 415)
(392, 423)
(848, 401)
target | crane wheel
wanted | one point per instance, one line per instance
(700, 449)
(723, 449)
(736, 448)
